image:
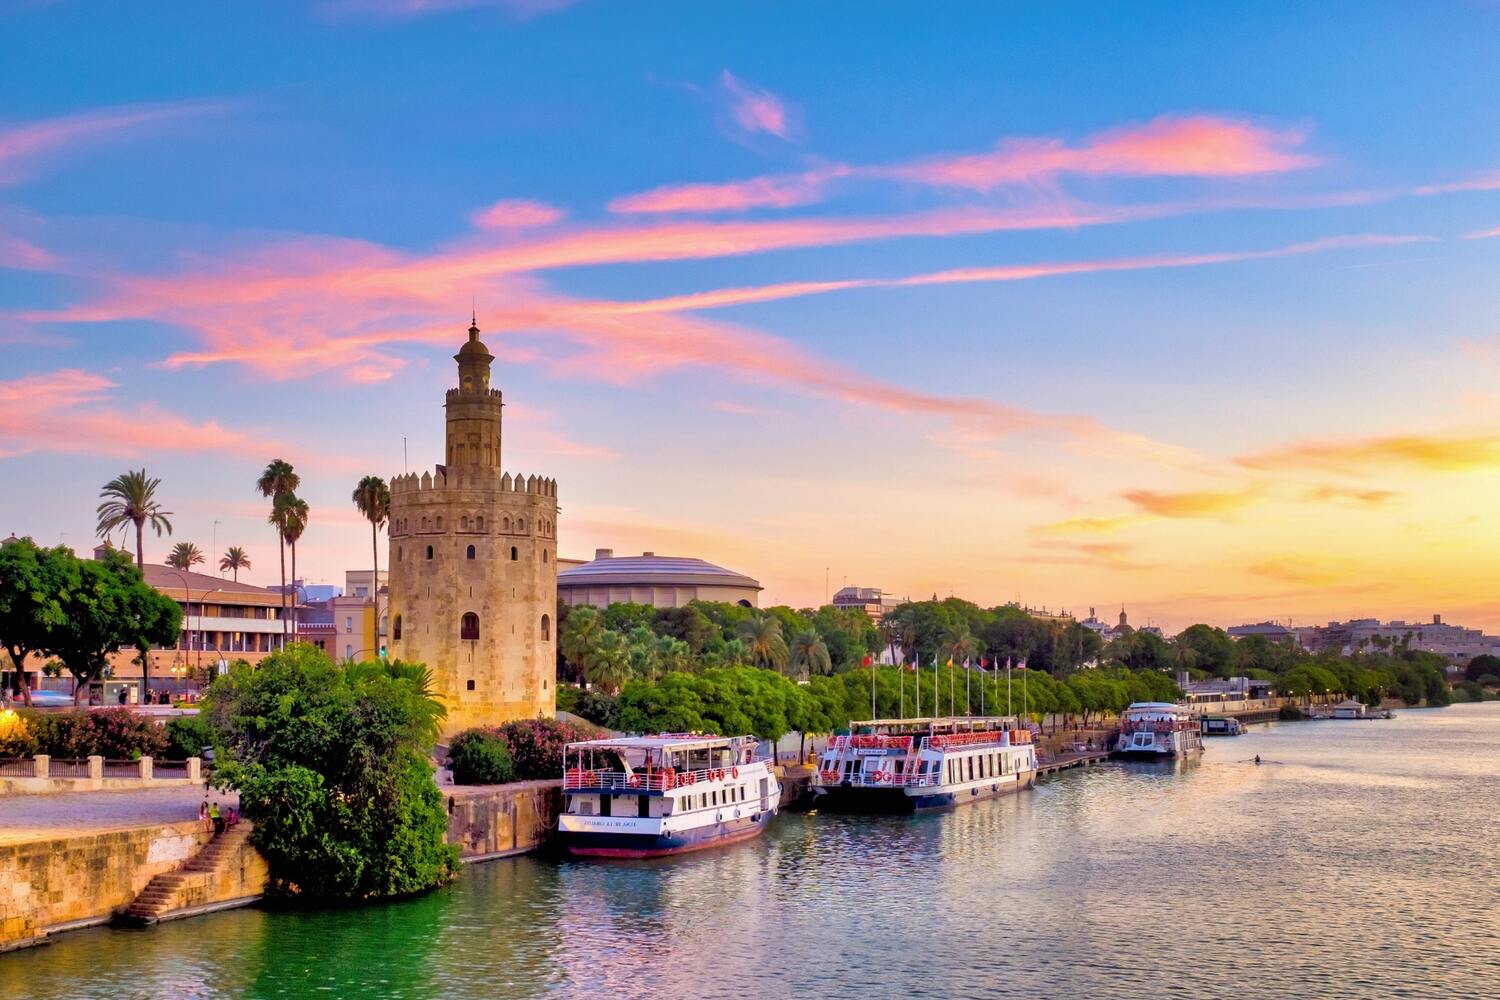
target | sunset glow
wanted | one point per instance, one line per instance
(1077, 313)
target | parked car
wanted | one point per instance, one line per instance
(50, 699)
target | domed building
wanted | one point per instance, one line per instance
(473, 565)
(660, 581)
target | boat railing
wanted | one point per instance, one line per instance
(872, 741)
(655, 779)
(875, 779)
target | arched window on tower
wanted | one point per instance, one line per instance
(520, 524)
(546, 628)
(429, 552)
(396, 628)
(471, 552)
(479, 523)
(463, 523)
(469, 627)
(514, 554)
(440, 522)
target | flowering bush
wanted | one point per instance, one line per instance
(114, 733)
(16, 738)
(536, 746)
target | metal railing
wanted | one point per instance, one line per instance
(169, 769)
(17, 767)
(580, 779)
(122, 768)
(68, 767)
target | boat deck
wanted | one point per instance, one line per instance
(1074, 758)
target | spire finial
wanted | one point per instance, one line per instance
(473, 320)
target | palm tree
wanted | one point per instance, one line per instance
(275, 482)
(236, 559)
(809, 654)
(763, 641)
(293, 522)
(734, 654)
(580, 630)
(373, 498)
(131, 499)
(184, 556)
(608, 663)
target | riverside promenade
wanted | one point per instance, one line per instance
(26, 818)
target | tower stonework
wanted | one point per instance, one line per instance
(473, 566)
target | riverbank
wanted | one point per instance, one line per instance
(1352, 830)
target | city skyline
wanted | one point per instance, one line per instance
(1072, 310)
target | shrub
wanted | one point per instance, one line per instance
(63, 734)
(119, 734)
(1290, 713)
(536, 746)
(16, 737)
(599, 708)
(568, 697)
(331, 761)
(480, 757)
(187, 735)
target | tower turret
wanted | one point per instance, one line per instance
(473, 418)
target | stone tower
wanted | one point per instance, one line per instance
(473, 565)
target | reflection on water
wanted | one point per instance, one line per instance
(1359, 861)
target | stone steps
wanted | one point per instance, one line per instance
(166, 891)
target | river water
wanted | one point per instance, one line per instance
(1361, 860)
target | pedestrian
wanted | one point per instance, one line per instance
(122, 696)
(217, 817)
(203, 814)
(234, 815)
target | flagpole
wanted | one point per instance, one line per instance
(983, 677)
(917, 676)
(1024, 702)
(872, 690)
(968, 686)
(902, 671)
(1009, 709)
(952, 691)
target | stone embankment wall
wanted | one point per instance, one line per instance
(494, 821)
(55, 884)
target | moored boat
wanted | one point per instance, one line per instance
(1220, 725)
(906, 765)
(649, 796)
(1158, 730)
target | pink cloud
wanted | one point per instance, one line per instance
(753, 110)
(1487, 182)
(784, 191)
(1485, 234)
(516, 214)
(1201, 146)
(21, 255)
(21, 144)
(1195, 146)
(69, 411)
(719, 298)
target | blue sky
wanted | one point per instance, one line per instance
(230, 232)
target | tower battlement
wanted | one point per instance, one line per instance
(460, 479)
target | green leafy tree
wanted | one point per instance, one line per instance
(332, 764)
(184, 556)
(234, 560)
(1481, 666)
(688, 624)
(104, 605)
(33, 582)
(279, 480)
(1212, 648)
(625, 615)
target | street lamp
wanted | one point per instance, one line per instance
(198, 665)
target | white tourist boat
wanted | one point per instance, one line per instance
(1158, 730)
(648, 796)
(906, 765)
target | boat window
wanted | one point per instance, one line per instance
(586, 805)
(971, 768)
(643, 806)
(604, 801)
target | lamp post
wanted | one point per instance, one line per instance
(187, 604)
(198, 665)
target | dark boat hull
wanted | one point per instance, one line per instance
(886, 801)
(630, 845)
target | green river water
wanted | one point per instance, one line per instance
(1361, 860)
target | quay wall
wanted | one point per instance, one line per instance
(496, 821)
(64, 882)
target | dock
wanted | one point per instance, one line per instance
(1073, 758)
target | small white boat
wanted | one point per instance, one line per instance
(1158, 730)
(906, 765)
(649, 796)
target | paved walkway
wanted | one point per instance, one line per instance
(73, 814)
